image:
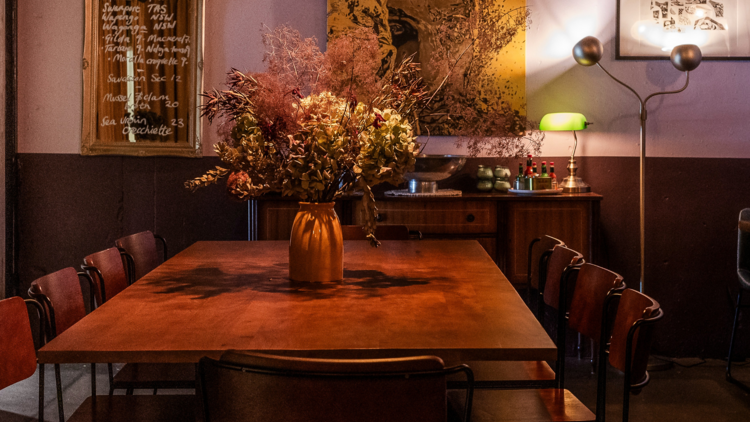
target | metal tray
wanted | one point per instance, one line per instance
(536, 192)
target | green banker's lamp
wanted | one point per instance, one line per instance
(568, 122)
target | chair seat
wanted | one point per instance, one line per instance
(506, 374)
(155, 375)
(548, 405)
(171, 408)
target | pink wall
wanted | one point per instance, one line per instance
(708, 120)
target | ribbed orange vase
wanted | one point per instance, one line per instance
(316, 247)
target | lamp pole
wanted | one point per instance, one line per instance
(686, 57)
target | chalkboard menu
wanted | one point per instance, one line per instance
(142, 76)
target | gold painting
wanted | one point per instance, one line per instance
(473, 49)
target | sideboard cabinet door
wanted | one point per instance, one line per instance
(569, 221)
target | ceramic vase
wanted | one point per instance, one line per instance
(316, 246)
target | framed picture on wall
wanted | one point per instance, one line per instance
(649, 29)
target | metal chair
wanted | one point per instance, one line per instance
(106, 268)
(17, 352)
(141, 252)
(61, 298)
(743, 275)
(245, 386)
(593, 283)
(629, 345)
(539, 250)
(382, 232)
(561, 263)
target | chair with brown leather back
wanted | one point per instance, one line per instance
(382, 232)
(143, 256)
(743, 278)
(593, 284)
(107, 270)
(539, 250)
(535, 374)
(62, 299)
(629, 345)
(17, 352)
(245, 386)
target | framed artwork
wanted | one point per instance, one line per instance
(142, 77)
(488, 79)
(649, 29)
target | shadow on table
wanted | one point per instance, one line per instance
(207, 282)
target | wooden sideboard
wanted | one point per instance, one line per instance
(503, 224)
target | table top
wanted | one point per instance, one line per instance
(438, 297)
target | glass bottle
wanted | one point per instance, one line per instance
(552, 174)
(544, 169)
(534, 170)
(519, 184)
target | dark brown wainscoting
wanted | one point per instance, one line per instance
(71, 206)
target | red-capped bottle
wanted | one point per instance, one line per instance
(534, 170)
(529, 172)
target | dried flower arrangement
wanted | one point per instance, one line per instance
(316, 125)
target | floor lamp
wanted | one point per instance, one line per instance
(685, 58)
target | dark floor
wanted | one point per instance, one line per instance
(693, 390)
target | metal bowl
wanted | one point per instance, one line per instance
(429, 169)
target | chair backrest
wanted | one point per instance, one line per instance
(107, 270)
(558, 261)
(250, 386)
(142, 248)
(743, 241)
(382, 232)
(634, 307)
(17, 354)
(536, 250)
(589, 297)
(62, 298)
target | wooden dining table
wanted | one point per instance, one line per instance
(425, 297)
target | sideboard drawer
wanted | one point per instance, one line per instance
(436, 217)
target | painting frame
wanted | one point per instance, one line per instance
(635, 38)
(185, 144)
(434, 32)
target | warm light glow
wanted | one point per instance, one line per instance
(560, 42)
(654, 34)
(563, 121)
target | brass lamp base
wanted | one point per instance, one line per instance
(574, 185)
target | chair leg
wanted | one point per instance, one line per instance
(154, 391)
(731, 345)
(626, 403)
(111, 379)
(93, 381)
(41, 392)
(58, 382)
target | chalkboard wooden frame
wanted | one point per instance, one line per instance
(90, 144)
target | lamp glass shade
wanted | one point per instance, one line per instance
(563, 121)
